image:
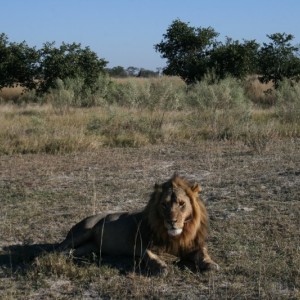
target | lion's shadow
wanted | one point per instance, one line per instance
(20, 258)
(16, 257)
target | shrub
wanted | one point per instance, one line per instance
(72, 92)
(153, 93)
(226, 94)
(131, 93)
(288, 101)
(60, 97)
(166, 94)
(221, 106)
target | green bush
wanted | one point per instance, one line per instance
(166, 94)
(153, 93)
(60, 97)
(131, 93)
(220, 109)
(223, 95)
(288, 101)
(72, 92)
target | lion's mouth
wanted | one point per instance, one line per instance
(174, 231)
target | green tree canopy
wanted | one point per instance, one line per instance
(18, 64)
(39, 69)
(192, 52)
(235, 58)
(68, 61)
(187, 50)
(278, 59)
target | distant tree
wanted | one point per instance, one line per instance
(132, 71)
(187, 50)
(278, 59)
(234, 58)
(68, 61)
(147, 73)
(117, 71)
(18, 64)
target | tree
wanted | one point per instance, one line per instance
(68, 61)
(147, 73)
(5, 78)
(278, 59)
(39, 69)
(117, 71)
(18, 64)
(132, 71)
(234, 58)
(187, 50)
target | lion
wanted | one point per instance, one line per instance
(173, 222)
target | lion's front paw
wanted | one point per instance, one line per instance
(209, 266)
(214, 266)
(157, 267)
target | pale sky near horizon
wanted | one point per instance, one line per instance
(124, 32)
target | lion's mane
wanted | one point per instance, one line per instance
(195, 230)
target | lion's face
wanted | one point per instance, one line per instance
(176, 210)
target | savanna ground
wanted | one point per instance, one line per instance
(252, 200)
(56, 167)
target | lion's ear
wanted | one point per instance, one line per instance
(174, 185)
(196, 188)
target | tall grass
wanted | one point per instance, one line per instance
(222, 107)
(135, 112)
(40, 129)
(261, 94)
(288, 102)
(227, 94)
(153, 93)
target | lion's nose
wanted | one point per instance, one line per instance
(173, 222)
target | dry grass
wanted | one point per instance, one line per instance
(40, 129)
(260, 93)
(36, 129)
(175, 80)
(8, 94)
(252, 200)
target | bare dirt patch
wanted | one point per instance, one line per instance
(252, 199)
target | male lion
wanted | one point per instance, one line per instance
(174, 222)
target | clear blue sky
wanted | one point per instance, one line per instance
(124, 31)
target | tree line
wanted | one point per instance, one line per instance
(39, 69)
(191, 52)
(121, 72)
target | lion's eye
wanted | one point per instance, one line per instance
(181, 204)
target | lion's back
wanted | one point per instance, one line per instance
(120, 234)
